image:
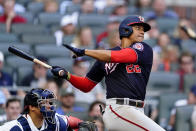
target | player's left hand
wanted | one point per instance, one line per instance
(76, 51)
(87, 126)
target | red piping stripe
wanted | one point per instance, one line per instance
(126, 119)
(134, 23)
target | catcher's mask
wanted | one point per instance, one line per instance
(45, 100)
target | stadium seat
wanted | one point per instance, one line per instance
(49, 18)
(22, 46)
(188, 44)
(195, 63)
(166, 103)
(174, 67)
(6, 37)
(60, 1)
(29, 29)
(8, 69)
(22, 72)
(51, 51)
(4, 48)
(23, 2)
(132, 2)
(167, 24)
(193, 50)
(15, 62)
(72, 8)
(131, 9)
(161, 82)
(61, 61)
(108, 10)
(97, 30)
(68, 39)
(183, 118)
(54, 28)
(2, 27)
(28, 15)
(38, 39)
(92, 20)
(35, 7)
(189, 81)
(151, 102)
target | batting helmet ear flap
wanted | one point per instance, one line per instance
(125, 31)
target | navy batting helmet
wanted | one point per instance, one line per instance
(125, 28)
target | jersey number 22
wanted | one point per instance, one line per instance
(133, 68)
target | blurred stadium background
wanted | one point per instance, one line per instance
(39, 27)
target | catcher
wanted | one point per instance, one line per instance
(39, 115)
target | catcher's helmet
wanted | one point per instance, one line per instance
(44, 100)
(125, 28)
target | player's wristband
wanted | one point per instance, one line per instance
(68, 76)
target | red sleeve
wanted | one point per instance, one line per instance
(19, 19)
(101, 36)
(73, 122)
(126, 55)
(2, 19)
(82, 83)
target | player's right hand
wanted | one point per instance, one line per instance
(76, 51)
(60, 72)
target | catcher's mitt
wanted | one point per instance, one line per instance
(87, 126)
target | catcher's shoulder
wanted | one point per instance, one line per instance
(11, 126)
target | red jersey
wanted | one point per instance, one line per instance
(16, 19)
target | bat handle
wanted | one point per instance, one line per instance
(42, 63)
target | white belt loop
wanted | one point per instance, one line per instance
(124, 101)
(127, 101)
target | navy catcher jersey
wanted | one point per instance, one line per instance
(125, 80)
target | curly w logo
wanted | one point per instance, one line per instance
(110, 67)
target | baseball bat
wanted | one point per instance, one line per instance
(190, 32)
(26, 56)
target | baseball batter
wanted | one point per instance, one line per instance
(126, 70)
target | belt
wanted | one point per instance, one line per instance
(136, 103)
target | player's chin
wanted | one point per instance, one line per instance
(140, 39)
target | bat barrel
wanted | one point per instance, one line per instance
(20, 53)
(26, 56)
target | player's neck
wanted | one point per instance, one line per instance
(126, 42)
(37, 120)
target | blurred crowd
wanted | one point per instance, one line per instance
(91, 24)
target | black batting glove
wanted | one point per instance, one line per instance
(60, 72)
(76, 51)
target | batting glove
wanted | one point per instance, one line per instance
(60, 72)
(76, 51)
